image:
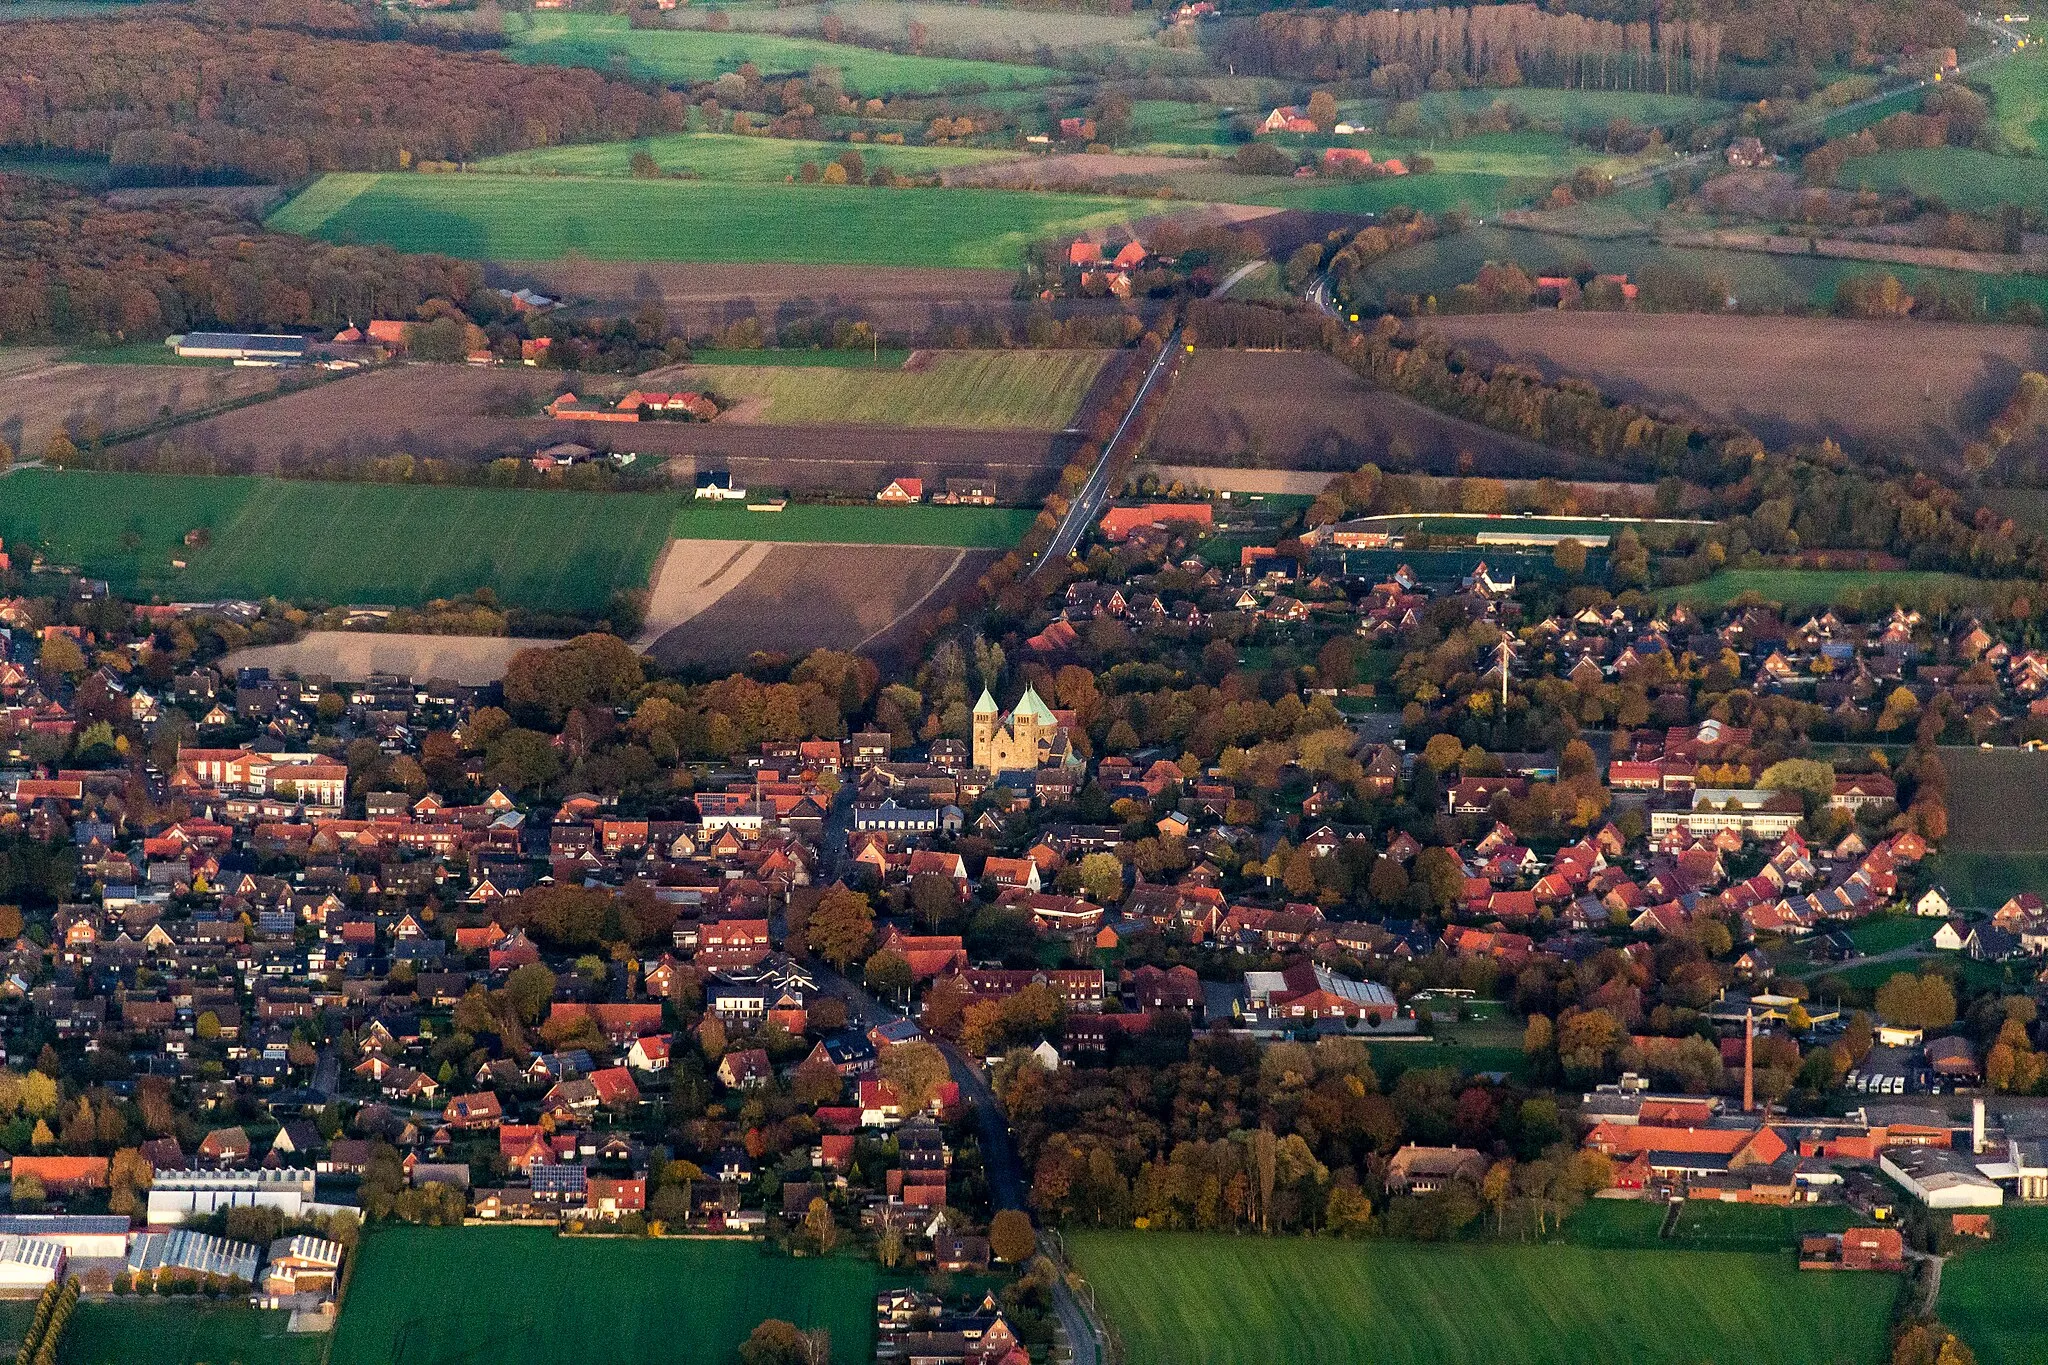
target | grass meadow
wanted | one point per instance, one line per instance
(1990, 1294)
(338, 542)
(1985, 881)
(965, 528)
(2019, 99)
(1193, 1300)
(524, 1296)
(1758, 281)
(1702, 1225)
(1961, 177)
(729, 156)
(984, 390)
(533, 218)
(1803, 588)
(150, 1331)
(686, 56)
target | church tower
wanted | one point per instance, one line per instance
(986, 713)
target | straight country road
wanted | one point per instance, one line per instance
(1087, 503)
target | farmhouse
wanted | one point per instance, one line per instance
(1119, 522)
(716, 485)
(901, 492)
(1424, 1170)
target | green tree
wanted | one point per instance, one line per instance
(840, 925)
(915, 1070)
(1102, 878)
(888, 973)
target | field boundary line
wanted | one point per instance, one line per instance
(938, 583)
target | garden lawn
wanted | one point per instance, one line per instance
(1991, 1294)
(393, 544)
(524, 1296)
(537, 218)
(686, 56)
(1887, 933)
(1194, 1300)
(726, 156)
(990, 390)
(1960, 177)
(967, 528)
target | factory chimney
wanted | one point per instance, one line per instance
(1748, 1061)
(1977, 1142)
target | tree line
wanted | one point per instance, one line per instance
(1505, 45)
(72, 265)
(276, 91)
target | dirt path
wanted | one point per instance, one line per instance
(937, 583)
(691, 576)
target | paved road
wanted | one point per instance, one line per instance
(1235, 278)
(1087, 504)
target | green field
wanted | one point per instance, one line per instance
(1800, 588)
(338, 542)
(726, 156)
(1888, 932)
(1759, 281)
(1985, 881)
(985, 390)
(1960, 177)
(1573, 110)
(1194, 1300)
(860, 359)
(1703, 1225)
(967, 528)
(2019, 99)
(1989, 1294)
(524, 1296)
(681, 56)
(184, 1332)
(529, 218)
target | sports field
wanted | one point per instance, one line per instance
(1990, 1294)
(524, 1296)
(1961, 177)
(338, 542)
(607, 43)
(1194, 1300)
(528, 218)
(966, 528)
(726, 156)
(1013, 390)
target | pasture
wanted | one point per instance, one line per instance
(727, 156)
(607, 1302)
(998, 390)
(686, 56)
(988, 30)
(1994, 802)
(962, 528)
(1760, 282)
(1195, 1300)
(152, 1331)
(1702, 1225)
(338, 542)
(1961, 177)
(2019, 100)
(534, 218)
(1572, 110)
(1988, 1292)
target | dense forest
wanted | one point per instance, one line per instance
(275, 91)
(73, 265)
(1625, 45)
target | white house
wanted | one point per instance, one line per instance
(1952, 936)
(1933, 903)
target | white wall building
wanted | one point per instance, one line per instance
(178, 1195)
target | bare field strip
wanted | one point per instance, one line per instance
(701, 298)
(45, 394)
(690, 576)
(472, 660)
(804, 597)
(1304, 411)
(1908, 388)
